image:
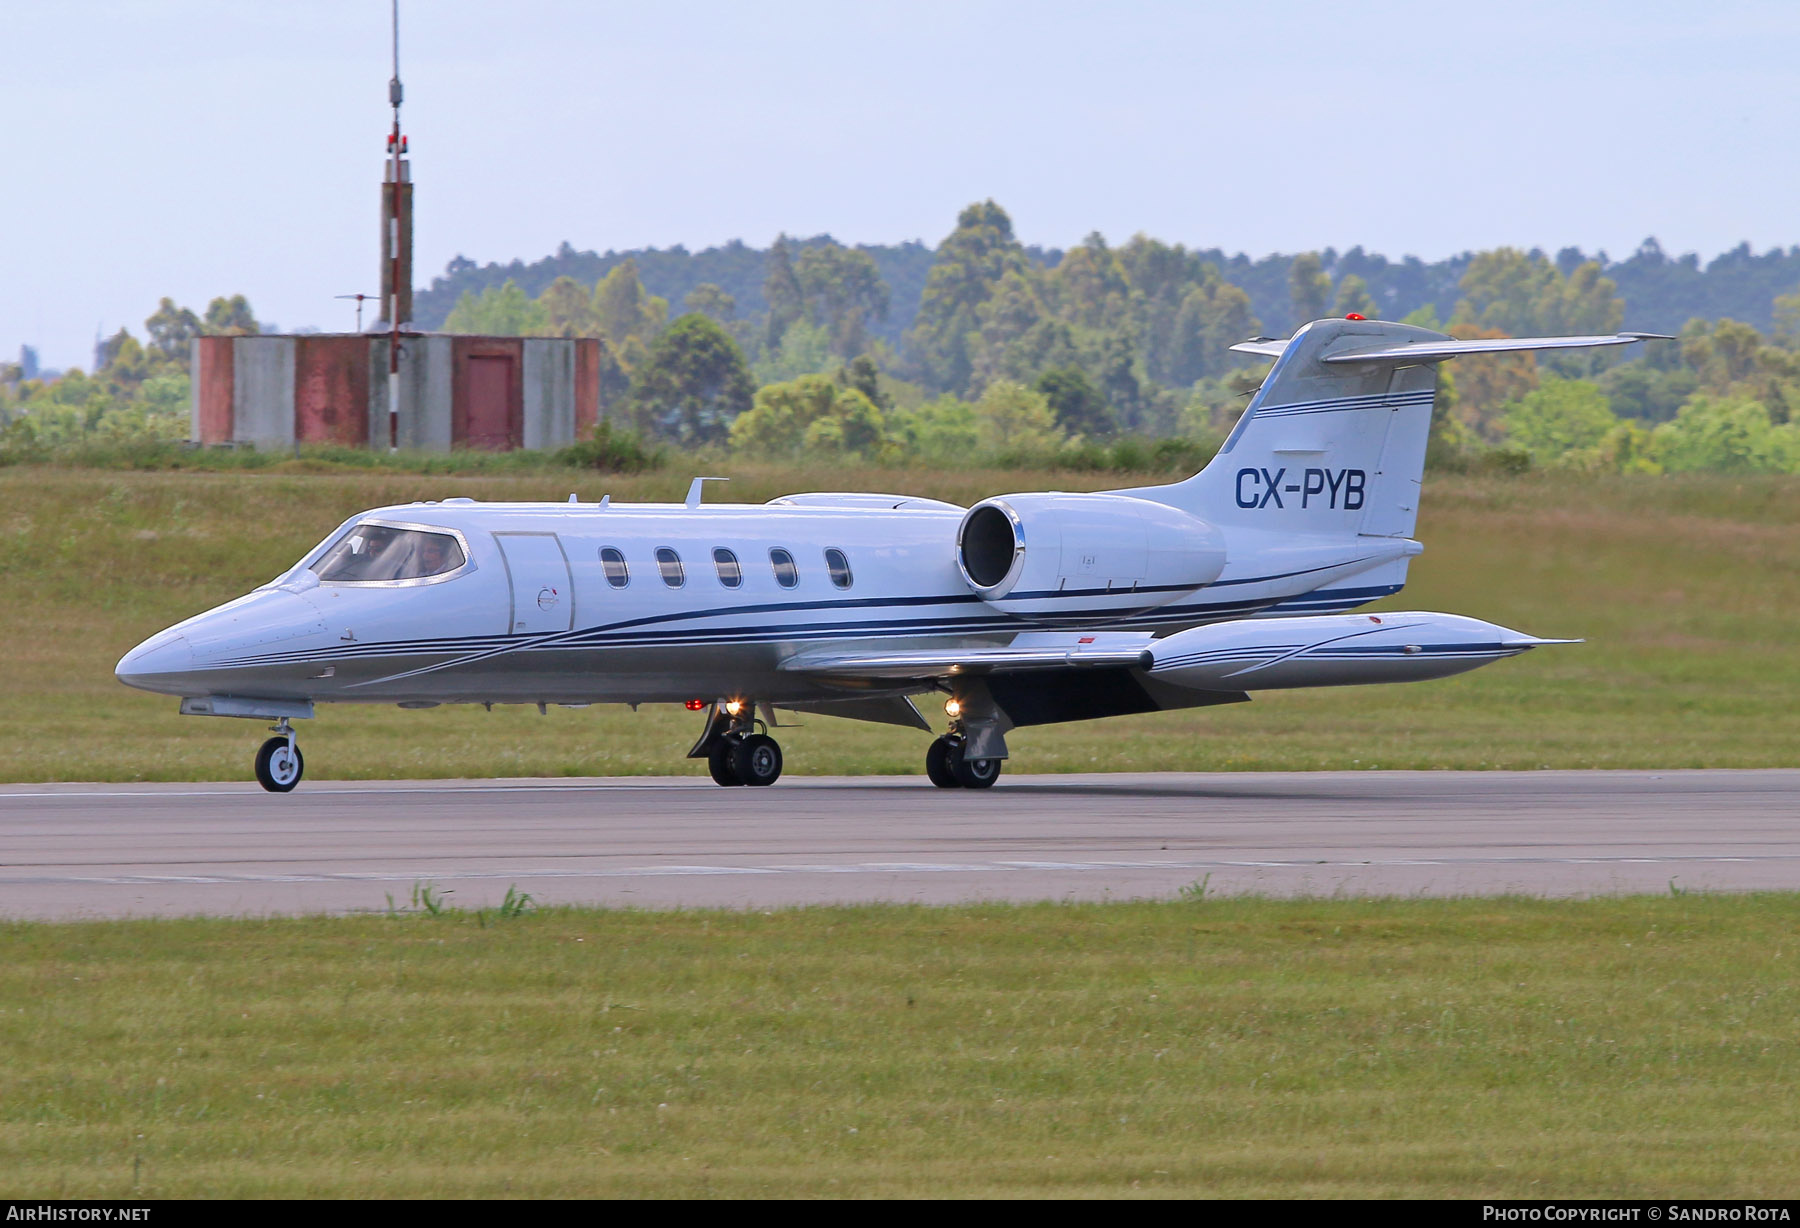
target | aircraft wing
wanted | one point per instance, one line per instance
(1031, 651)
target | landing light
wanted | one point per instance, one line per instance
(952, 708)
(733, 707)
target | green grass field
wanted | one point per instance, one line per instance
(1640, 1047)
(1685, 589)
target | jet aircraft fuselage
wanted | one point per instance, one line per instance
(1024, 609)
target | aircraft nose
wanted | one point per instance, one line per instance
(157, 664)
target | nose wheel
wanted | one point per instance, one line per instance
(948, 767)
(279, 764)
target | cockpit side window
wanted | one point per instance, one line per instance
(376, 553)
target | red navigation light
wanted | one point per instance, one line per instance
(694, 705)
(1354, 316)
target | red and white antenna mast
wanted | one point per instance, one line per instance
(397, 270)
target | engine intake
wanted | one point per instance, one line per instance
(1075, 557)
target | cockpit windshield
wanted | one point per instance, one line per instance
(378, 552)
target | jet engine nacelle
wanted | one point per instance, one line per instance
(1071, 557)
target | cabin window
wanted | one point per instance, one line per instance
(786, 573)
(669, 563)
(730, 574)
(839, 567)
(618, 571)
(372, 553)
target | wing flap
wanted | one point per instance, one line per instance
(903, 663)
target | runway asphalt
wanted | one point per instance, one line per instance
(73, 851)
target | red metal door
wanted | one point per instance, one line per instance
(490, 402)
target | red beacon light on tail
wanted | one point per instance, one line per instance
(1353, 316)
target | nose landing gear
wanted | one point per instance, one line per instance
(279, 763)
(736, 751)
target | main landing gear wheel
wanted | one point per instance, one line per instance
(975, 773)
(279, 765)
(756, 760)
(948, 768)
(718, 762)
(937, 764)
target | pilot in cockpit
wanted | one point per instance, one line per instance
(434, 555)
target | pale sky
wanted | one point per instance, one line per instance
(201, 147)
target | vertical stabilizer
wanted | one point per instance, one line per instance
(1324, 447)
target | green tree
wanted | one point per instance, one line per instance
(568, 309)
(1521, 294)
(1725, 435)
(1561, 421)
(1118, 379)
(1013, 417)
(811, 414)
(1091, 288)
(805, 349)
(862, 374)
(691, 385)
(624, 310)
(970, 263)
(841, 290)
(711, 302)
(1787, 319)
(1308, 288)
(124, 363)
(230, 317)
(1012, 341)
(172, 331)
(781, 288)
(942, 431)
(499, 311)
(1213, 317)
(1077, 405)
(1353, 298)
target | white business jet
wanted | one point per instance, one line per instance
(1024, 609)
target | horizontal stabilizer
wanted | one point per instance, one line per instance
(1433, 351)
(1438, 350)
(1261, 345)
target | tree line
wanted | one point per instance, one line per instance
(1093, 356)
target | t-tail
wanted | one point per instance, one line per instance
(1333, 443)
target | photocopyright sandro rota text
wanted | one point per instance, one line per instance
(1694, 1212)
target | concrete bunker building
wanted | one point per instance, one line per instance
(487, 393)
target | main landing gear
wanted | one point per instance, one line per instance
(279, 764)
(948, 763)
(736, 750)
